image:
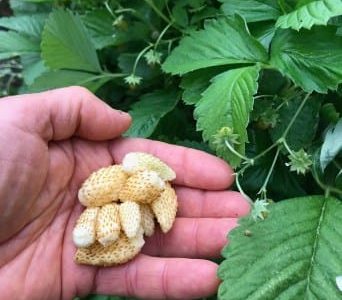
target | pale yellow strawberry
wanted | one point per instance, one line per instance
(165, 208)
(108, 224)
(147, 219)
(139, 161)
(102, 186)
(123, 250)
(84, 233)
(130, 218)
(143, 187)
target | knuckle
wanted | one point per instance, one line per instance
(80, 91)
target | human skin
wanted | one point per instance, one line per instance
(49, 144)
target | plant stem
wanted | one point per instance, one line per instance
(287, 146)
(103, 75)
(157, 11)
(231, 148)
(265, 151)
(142, 52)
(270, 171)
(160, 14)
(263, 96)
(109, 9)
(295, 116)
(238, 185)
(122, 10)
(161, 35)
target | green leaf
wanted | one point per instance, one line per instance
(185, 128)
(13, 44)
(309, 58)
(20, 7)
(227, 102)
(263, 32)
(304, 127)
(38, 1)
(33, 67)
(221, 42)
(63, 78)
(99, 24)
(252, 10)
(294, 254)
(147, 112)
(26, 25)
(136, 31)
(313, 13)
(195, 83)
(332, 144)
(66, 43)
(179, 14)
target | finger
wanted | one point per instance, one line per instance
(194, 203)
(61, 113)
(192, 238)
(194, 168)
(159, 278)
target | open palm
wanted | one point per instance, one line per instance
(50, 142)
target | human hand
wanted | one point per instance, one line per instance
(50, 143)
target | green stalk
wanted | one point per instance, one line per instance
(295, 116)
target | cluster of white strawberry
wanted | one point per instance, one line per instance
(121, 204)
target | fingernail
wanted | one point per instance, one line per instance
(123, 113)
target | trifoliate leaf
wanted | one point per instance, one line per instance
(67, 44)
(300, 162)
(227, 102)
(147, 112)
(13, 44)
(313, 13)
(28, 25)
(332, 144)
(99, 25)
(221, 42)
(309, 58)
(295, 253)
(252, 10)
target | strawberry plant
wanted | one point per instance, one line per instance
(256, 82)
